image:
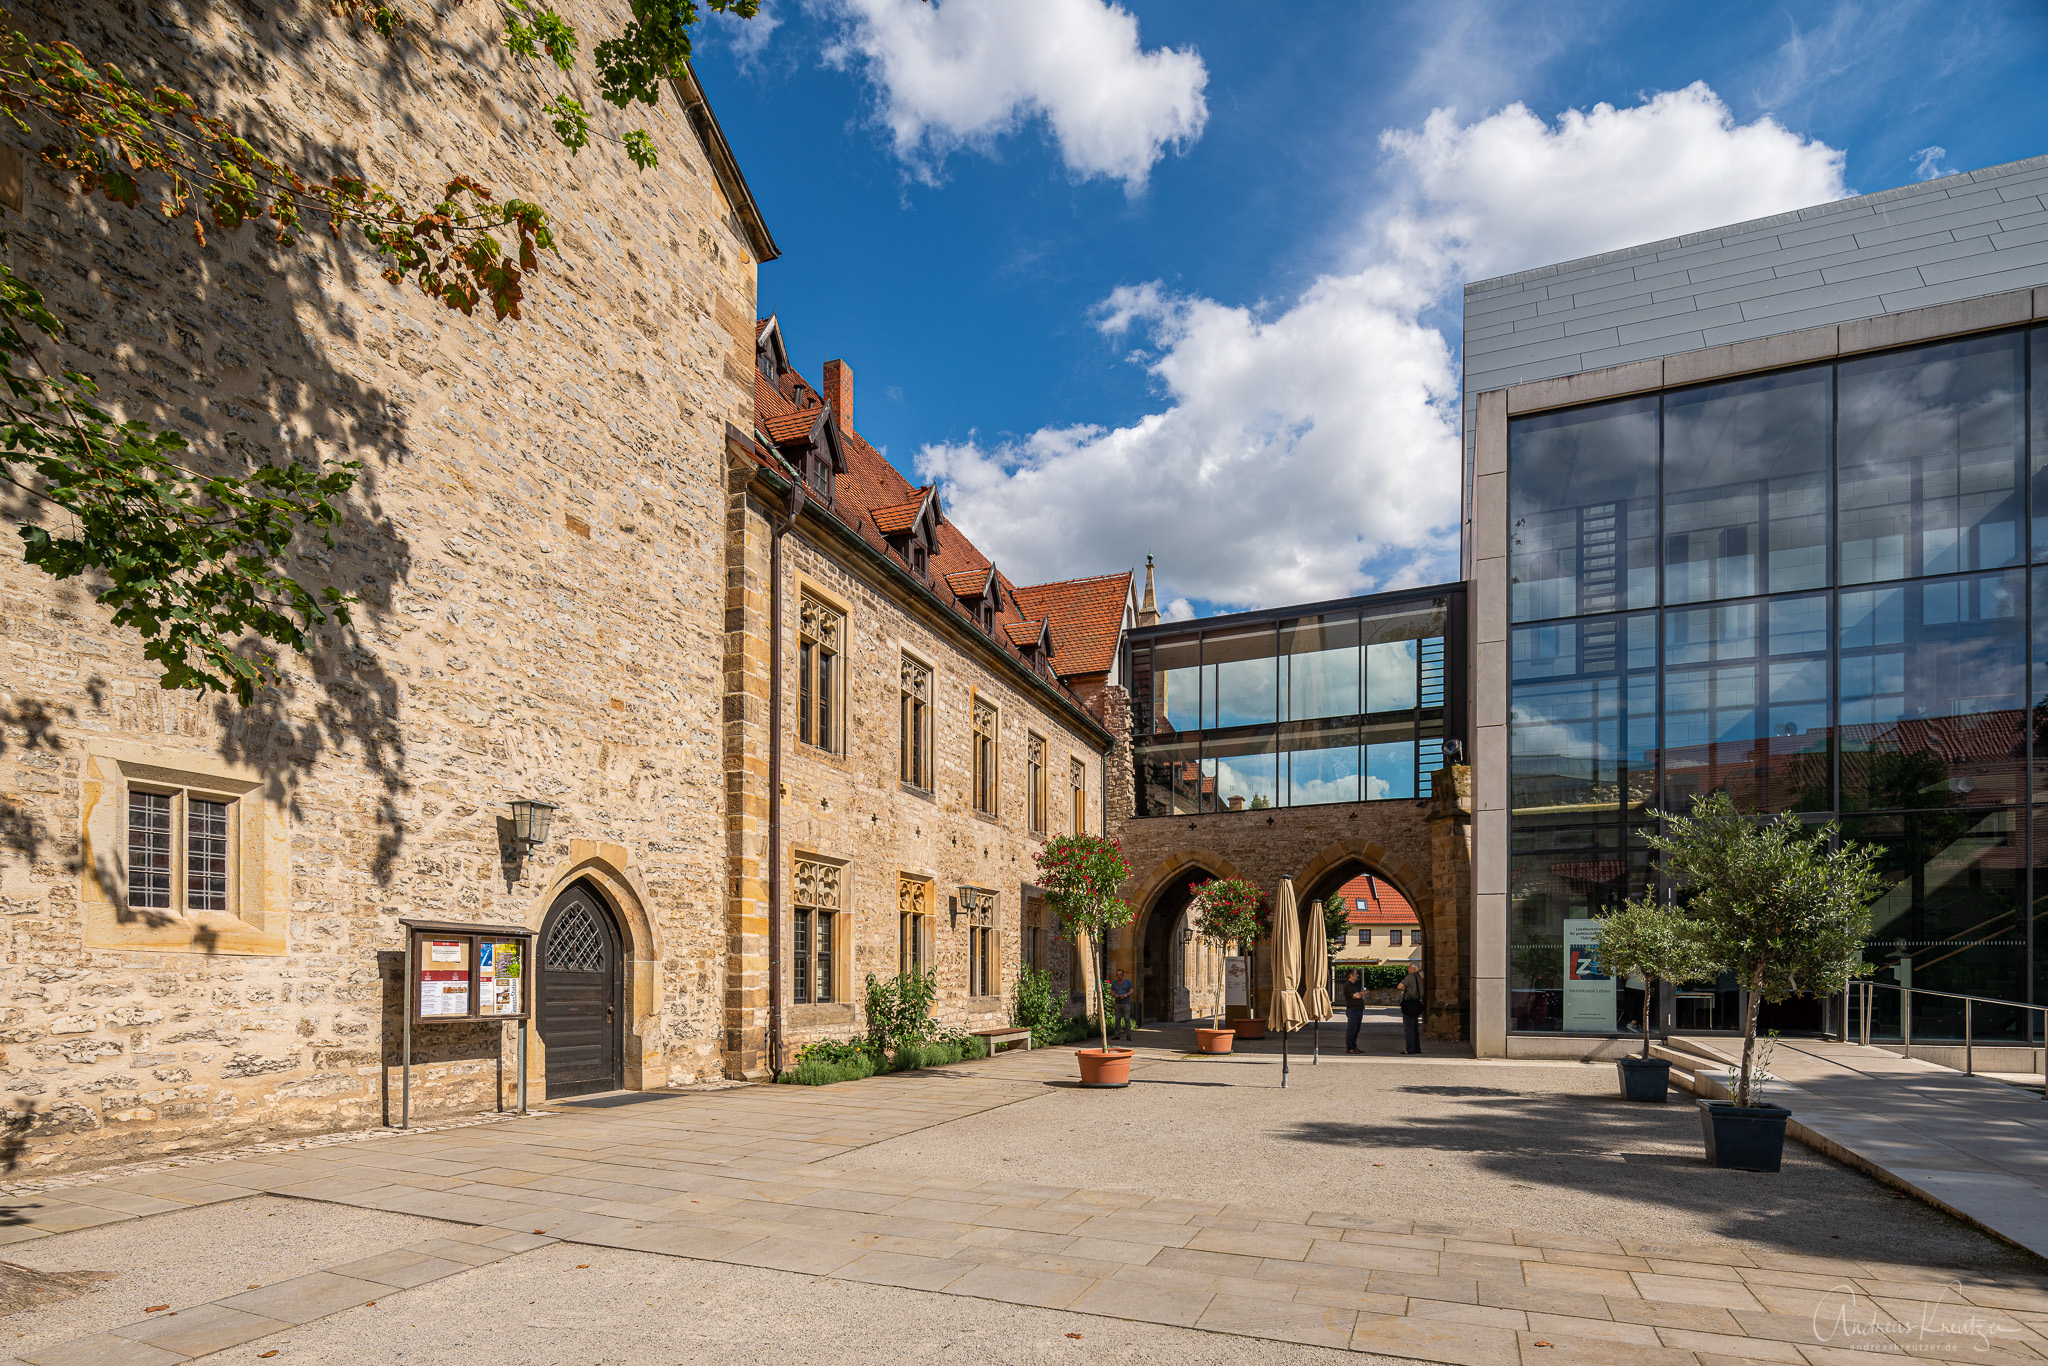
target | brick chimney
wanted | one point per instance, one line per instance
(839, 389)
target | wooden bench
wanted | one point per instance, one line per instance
(998, 1037)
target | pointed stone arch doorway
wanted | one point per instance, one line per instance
(1167, 963)
(579, 1004)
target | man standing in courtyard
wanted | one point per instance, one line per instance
(1354, 1011)
(1411, 1011)
(1121, 989)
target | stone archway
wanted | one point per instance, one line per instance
(1177, 979)
(606, 871)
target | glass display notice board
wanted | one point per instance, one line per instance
(470, 976)
(462, 972)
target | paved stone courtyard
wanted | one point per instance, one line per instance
(992, 1211)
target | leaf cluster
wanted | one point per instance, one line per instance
(191, 562)
(1080, 876)
(1655, 942)
(109, 135)
(1786, 908)
(1229, 909)
(653, 47)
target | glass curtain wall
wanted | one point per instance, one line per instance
(1337, 705)
(1809, 590)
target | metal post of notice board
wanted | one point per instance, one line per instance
(469, 974)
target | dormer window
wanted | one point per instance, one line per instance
(911, 528)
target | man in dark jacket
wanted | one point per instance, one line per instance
(1354, 1011)
(1411, 1011)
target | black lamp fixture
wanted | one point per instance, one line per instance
(531, 819)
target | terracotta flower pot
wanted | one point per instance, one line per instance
(1105, 1067)
(1249, 1029)
(1214, 1040)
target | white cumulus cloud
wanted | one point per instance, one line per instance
(961, 73)
(1311, 450)
(1512, 191)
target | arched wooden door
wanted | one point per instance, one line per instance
(580, 1007)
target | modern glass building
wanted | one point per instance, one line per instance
(1328, 702)
(1765, 511)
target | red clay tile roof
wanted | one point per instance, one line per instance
(1025, 634)
(1381, 900)
(898, 518)
(872, 497)
(1087, 618)
(969, 583)
(791, 426)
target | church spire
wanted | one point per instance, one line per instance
(1148, 609)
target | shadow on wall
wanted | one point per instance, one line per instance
(232, 343)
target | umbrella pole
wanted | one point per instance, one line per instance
(1283, 1055)
(1318, 1036)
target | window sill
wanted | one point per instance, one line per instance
(913, 790)
(991, 817)
(821, 1016)
(811, 751)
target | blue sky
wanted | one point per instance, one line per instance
(1266, 252)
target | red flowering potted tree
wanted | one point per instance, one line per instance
(1224, 911)
(1080, 876)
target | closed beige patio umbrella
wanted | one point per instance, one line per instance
(1315, 973)
(1286, 1011)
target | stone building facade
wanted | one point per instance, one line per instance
(932, 733)
(538, 543)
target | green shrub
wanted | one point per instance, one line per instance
(900, 1010)
(1376, 976)
(1073, 1030)
(1038, 1008)
(824, 1062)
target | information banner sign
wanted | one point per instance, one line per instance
(1236, 971)
(1588, 991)
(444, 977)
(497, 977)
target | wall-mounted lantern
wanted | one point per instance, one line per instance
(531, 820)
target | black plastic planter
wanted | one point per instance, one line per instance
(1644, 1079)
(1745, 1138)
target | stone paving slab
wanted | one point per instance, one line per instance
(1975, 1147)
(684, 1176)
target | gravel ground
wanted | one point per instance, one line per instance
(1535, 1145)
(596, 1306)
(195, 1255)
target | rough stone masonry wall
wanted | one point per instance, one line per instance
(849, 808)
(537, 542)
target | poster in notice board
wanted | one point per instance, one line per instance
(1588, 990)
(498, 976)
(444, 977)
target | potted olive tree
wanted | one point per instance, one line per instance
(1784, 907)
(1080, 876)
(1224, 910)
(1658, 944)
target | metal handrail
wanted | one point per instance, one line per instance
(1906, 1019)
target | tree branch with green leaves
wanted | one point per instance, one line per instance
(1784, 906)
(1655, 942)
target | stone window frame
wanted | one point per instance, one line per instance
(985, 729)
(259, 853)
(917, 694)
(916, 894)
(1036, 782)
(1077, 791)
(822, 631)
(819, 892)
(980, 907)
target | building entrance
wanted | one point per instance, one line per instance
(1161, 953)
(579, 1006)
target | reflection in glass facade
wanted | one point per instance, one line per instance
(1339, 702)
(1809, 590)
